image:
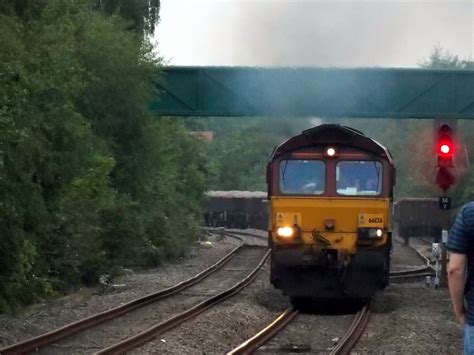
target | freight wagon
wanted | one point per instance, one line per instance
(417, 217)
(237, 209)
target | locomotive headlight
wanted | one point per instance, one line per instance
(285, 232)
(375, 233)
(330, 152)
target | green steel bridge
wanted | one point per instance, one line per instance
(319, 92)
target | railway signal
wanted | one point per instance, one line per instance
(445, 145)
(445, 150)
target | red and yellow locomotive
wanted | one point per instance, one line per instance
(330, 192)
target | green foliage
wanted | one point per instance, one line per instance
(178, 190)
(141, 16)
(440, 58)
(240, 152)
(88, 180)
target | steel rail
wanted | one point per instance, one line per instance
(421, 271)
(426, 259)
(173, 322)
(88, 322)
(410, 271)
(423, 257)
(412, 275)
(248, 234)
(267, 333)
(357, 327)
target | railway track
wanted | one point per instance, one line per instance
(416, 272)
(357, 327)
(348, 341)
(172, 322)
(355, 330)
(267, 333)
(412, 274)
(255, 239)
(416, 247)
(78, 328)
(241, 233)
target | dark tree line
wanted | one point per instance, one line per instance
(140, 16)
(89, 180)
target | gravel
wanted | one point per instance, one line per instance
(40, 318)
(411, 318)
(141, 319)
(224, 326)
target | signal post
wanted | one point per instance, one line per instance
(445, 178)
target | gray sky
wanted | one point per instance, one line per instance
(313, 33)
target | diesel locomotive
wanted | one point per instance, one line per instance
(330, 191)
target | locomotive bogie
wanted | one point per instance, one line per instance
(326, 277)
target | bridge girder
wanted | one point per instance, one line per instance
(357, 93)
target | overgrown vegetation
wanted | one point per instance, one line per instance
(88, 180)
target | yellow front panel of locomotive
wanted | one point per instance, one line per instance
(347, 214)
(284, 219)
(371, 220)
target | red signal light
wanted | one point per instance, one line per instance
(445, 149)
(444, 141)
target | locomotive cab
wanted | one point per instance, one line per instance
(330, 191)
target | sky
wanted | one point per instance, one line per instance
(333, 33)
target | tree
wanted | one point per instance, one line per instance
(89, 180)
(141, 16)
(440, 58)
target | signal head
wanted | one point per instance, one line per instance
(445, 141)
(445, 150)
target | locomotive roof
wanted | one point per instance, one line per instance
(237, 194)
(332, 134)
